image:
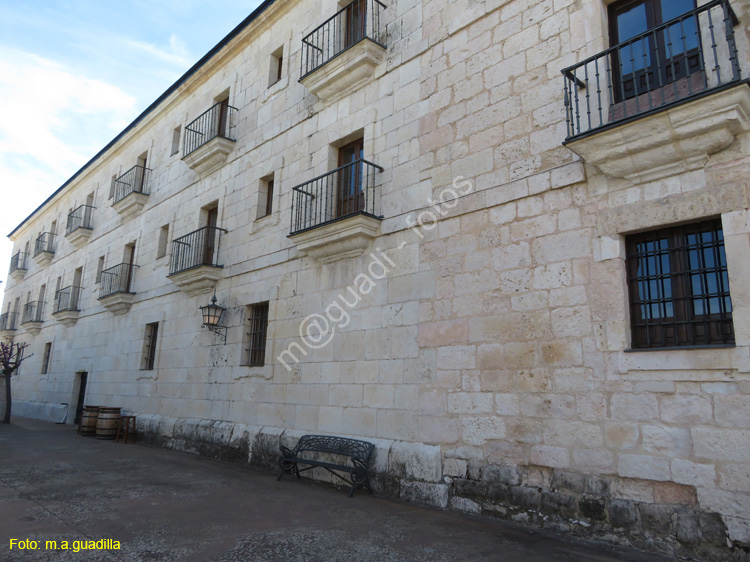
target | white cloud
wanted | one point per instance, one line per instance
(52, 121)
(176, 53)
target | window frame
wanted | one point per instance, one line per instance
(255, 346)
(658, 262)
(46, 358)
(148, 362)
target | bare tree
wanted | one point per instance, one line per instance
(11, 356)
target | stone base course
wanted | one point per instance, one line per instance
(582, 505)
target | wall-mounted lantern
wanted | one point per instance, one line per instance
(212, 314)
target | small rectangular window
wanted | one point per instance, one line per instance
(99, 269)
(46, 357)
(265, 196)
(679, 287)
(255, 341)
(163, 241)
(149, 347)
(277, 66)
(175, 141)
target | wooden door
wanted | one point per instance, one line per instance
(81, 397)
(209, 248)
(223, 117)
(350, 198)
(355, 18)
(140, 174)
(129, 265)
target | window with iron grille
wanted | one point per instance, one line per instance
(679, 287)
(46, 357)
(149, 347)
(257, 316)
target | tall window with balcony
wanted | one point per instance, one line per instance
(116, 283)
(18, 266)
(131, 189)
(662, 52)
(194, 263)
(9, 320)
(344, 204)
(210, 137)
(68, 299)
(341, 54)
(80, 223)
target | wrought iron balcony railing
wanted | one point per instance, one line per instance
(683, 59)
(45, 243)
(67, 299)
(82, 217)
(135, 180)
(18, 262)
(117, 279)
(8, 321)
(219, 121)
(198, 248)
(346, 191)
(358, 21)
(32, 312)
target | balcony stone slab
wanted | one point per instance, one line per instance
(118, 303)
(130, 204)
(210, 156)
(345, 72)
(79, 237)
(7, 335)
(346, 238)
(67, 317)
(32, 328)
(677, 140)
(18, 274)
(197, 280)
(43, 258)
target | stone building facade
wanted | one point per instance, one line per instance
(527, 287)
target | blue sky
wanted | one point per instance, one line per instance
(74, 73)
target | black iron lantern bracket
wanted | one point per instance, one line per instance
(212, 315)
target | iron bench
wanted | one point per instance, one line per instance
(310, 448)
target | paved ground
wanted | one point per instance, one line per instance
(164, 505)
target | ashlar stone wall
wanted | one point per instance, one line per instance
(490, 363)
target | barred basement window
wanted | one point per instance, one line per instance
(679, 287)
(46, 357)
(256, 336)
(149, 347)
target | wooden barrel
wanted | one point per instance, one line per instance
(88, 420)
(107, 423)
